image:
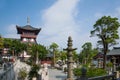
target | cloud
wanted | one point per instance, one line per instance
(11, 31)
(59, 23)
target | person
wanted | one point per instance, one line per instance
(44, 72)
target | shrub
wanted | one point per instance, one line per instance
(77, 71)
(22, 73)
(65, 69)
(109, 64)
(33, 72)
(91, 72)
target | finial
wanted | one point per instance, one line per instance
(28, 20)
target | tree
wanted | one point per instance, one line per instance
(75, 56)
(63, 56)
(54, 47)
(106, 29)
(1, 42)
(86, 52)
(37, 51)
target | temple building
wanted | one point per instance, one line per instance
(28, 34)
(115, 52)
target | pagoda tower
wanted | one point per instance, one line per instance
(28, 33)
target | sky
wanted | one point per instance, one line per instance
(58, 19)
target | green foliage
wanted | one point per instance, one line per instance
(33, 72)
(54, 46)
(87, 53)
(106, 29)
(91, 72)
(65, 69)
(77, 71)
(1, 42)
(22, 73)
(14, 45)
(63, 55)
(118, 68)
(75, 56)
(109, 64)
(35, 49)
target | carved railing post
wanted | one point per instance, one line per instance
(114, 64)
(70, 61)
(99, 63)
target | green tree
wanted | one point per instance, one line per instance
(15, 46)
(54, 47)
(86, 52)
(1, 42)
(75, 56)
(106, 29)
(63, 55)
(37, 51)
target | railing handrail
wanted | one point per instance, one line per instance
(6, 72)
(102, 77)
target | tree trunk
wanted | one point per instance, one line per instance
(105, 57)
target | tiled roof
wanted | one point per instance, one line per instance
(114, 51)
(27, 28)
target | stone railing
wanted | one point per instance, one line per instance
(105, 77)
(7, 73)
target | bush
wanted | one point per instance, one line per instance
(33, 72)
(65, 69)
(110, 64)
(118, 68)
(22, 73)
(77, 71)
(91, 72)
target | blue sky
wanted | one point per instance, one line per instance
(57, 18)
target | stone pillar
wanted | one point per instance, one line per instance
(69, 50)
(99, 63)
(114, 64)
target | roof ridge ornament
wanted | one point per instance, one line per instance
(28, 21)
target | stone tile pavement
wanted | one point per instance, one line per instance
(55, 74)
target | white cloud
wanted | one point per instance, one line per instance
(11, 31)
(59, 23)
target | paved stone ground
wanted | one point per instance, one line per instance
(55, 74)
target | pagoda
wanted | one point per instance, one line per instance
(28, 33)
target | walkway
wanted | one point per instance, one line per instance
(55, 74)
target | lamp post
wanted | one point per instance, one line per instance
(69, 50)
